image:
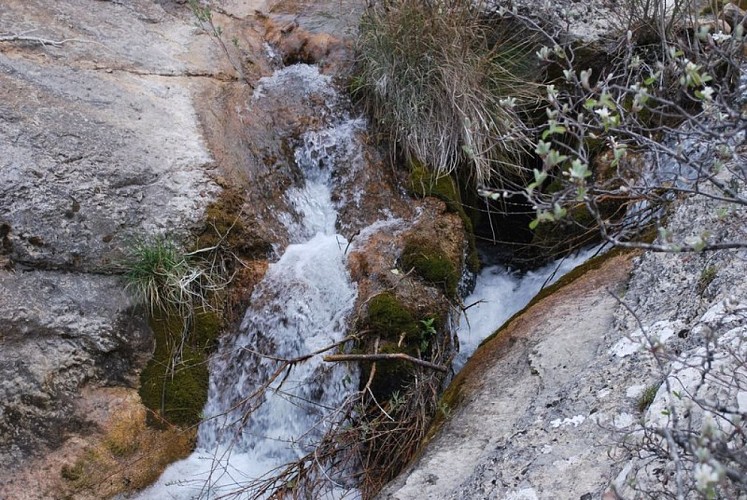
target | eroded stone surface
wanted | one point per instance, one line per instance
(522, 428)
(101, 144)
(132, 126)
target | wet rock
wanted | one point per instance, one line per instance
(492, 446)
(58, 335)
(297, 45)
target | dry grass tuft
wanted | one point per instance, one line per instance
(441, 78)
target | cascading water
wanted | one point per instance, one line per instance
(500, 293)
(261, 413)
(253, 426)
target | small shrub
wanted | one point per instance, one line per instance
(166, 279)
(159, 274)
(178, 289)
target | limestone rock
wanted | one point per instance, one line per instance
(523, 426)
(101, 144)
(60, 331)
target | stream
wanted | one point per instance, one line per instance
(300, 306)
(500, 293)
(260, 415)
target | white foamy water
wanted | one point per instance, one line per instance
(499, 294)
(253, 426)
(300, 307)
(260, 415)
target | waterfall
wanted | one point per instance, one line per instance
(261, 413)
(252, 427)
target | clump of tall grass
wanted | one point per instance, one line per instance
(165, 278)
(446, 81)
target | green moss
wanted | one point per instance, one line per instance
(206, 328)
(224, 225)
(391, 375)
(431, 264)
(399, 331)
(178, 393)
(423, 183)
(389, 318)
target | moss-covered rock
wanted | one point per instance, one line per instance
(424, 183)
(431, 264)
(225, 225)
(174, 384)
(390, 319)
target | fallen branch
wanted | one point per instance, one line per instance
(384, 357)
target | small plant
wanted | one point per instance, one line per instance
(707, 275)
(647, 397)
(427, 332)
(165, 278)
(204, 16)
(158, 275)
(178, 289)
(619, 142)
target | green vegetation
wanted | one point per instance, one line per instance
(178, 289)
(391, 376)
(443, 82)
(647, 397)
(424, 183)
(389, 318)
(174, 384)
(707, 275)
(157, 274)
(225, 228)
(431, 264)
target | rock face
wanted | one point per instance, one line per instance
(101, 144)
(524, 412)
(121, 120)
(544, 409)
